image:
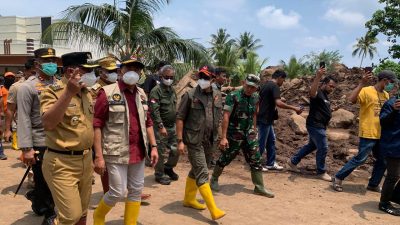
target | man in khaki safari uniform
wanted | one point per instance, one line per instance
(123, 128)
(67, 115)
(197, 122)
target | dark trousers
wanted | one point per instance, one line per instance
(40, 196)
(392, 178)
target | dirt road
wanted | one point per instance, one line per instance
(299, 200)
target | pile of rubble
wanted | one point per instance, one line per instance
(290, 128)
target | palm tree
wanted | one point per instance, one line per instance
(123, 30)
(227, 57)
(364, 46)
(219, 41)
(292, 68)
(248, 43)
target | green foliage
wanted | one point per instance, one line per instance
(123, 30)
(388, 65)
(247, 43)
(295, 68)
(312, 60)
(237, 56)
(251, 65)
(364, 46)
(387, 22)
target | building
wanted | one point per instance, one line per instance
(19, 37)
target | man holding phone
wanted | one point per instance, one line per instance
(317, 122)
(390, 147)
(371, 99)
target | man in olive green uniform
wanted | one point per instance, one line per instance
(163, 113)
(198, 117)
(239, 131)
(67, 115)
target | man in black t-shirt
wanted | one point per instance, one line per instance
(317, 122)
(270, 98)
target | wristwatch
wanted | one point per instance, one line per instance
(153, 146)
(160, 125)
(179, 140)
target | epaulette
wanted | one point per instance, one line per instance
(55, 87)
(96, 87)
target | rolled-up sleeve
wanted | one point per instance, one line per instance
(100, 110)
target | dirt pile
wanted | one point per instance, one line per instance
(343, 139)
(341, 147)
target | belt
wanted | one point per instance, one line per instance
(81, 152)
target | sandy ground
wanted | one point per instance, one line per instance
(300, 199)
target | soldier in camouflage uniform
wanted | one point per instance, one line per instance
(163, 112)
(239, 132)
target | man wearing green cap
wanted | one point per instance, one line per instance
(30, 131)
(239, 131)
(67, 115)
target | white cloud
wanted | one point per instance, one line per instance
(346, 17)
(275, 18)
(317, 42)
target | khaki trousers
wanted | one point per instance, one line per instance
(69, 178)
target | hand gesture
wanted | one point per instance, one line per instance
(99, 165)
(320, 72)
(154, 156)
(163, 132)
(366, 79)
(223, 144)
(29, 157)
(74, 85)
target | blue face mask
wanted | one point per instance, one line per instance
(49, 68)
(389, 87)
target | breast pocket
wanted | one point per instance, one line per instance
(116, 114)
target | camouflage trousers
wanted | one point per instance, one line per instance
(245, 141)
(166, 143)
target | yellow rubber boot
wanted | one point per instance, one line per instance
(205, 191)
(190, 195)
(99, 215)
(131, 212)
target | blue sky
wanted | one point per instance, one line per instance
(285, 27)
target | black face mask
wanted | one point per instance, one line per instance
(8, 81)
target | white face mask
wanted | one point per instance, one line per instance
(167, 82)
(204, 84)
(89, 79)
(112, 77)
(130, 78)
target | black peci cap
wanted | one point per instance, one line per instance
(45, 53)
(83, 59)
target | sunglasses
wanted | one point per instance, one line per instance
(168, 77)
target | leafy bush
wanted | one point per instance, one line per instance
(388, 65)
